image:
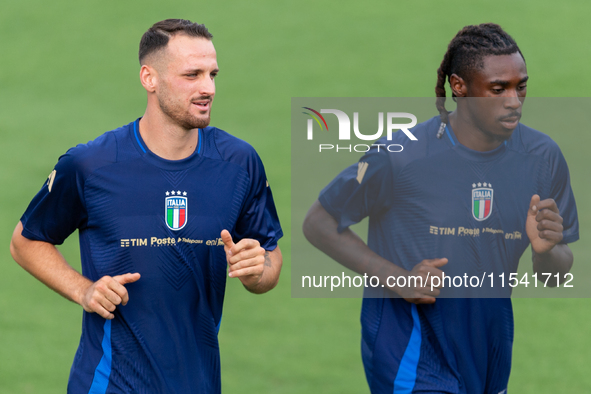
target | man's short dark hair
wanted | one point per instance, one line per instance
(157, 36)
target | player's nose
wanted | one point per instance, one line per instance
(511, 100)
(207, 87)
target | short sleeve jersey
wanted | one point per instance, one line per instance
(436, 199)
(137, 212)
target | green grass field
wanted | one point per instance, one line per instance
(69, 72)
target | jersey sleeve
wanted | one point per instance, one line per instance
(258, 218)
(562, 193)
(361, 190)
(58, 208)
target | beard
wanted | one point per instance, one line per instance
(180, 115)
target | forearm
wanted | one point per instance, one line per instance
(270, 277)
(347, 248)
(557, 260)
(46, 263)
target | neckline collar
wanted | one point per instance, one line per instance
(472, 154)
(158, 161)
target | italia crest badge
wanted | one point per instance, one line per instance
(175, 209)
(482, 200)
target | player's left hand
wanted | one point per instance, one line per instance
(544, 224)
(246, 259)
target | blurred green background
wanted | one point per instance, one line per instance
(69, 72)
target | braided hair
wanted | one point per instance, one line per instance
(465, 54)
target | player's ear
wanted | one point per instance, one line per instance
(149, 78)
(458, 85)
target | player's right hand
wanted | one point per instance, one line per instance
(425, 269)
(105, 294)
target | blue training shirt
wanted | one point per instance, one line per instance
(137, 212)
(436, 199)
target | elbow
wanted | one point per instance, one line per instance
(319, 226)
(307, 228)
(570, 258)
(310, 226)
(13, 249)
(312, 220)
(16, 243)
(16, 250)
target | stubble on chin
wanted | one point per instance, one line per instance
(183, 117)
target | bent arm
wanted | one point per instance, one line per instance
(272, 269)
(347, 248)
(46, 263)
(320, 228)
(558, 260)
(545, 232)
(258, 269)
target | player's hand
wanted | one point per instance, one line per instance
(103, 296)
(425, 269)
(246, 259)
(544, 224)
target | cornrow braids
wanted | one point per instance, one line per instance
(465, 54)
